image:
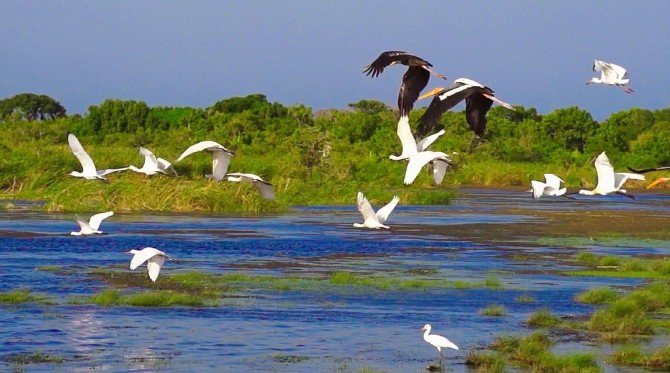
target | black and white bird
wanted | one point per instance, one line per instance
(478, 100)
(611, 74)
(413, 82)
(220, 157)
(264, 188)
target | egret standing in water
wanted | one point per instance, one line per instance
(154, 258)
(91, 226)
(437, 341)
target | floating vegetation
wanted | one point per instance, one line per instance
(21, 296)
(289, 359)
(492, 282)
(628, 267)
(150, 298)
(50, 268)
(525, 298)
(542, 319)
(597, 296)
(633, 356)
(495, 310)
(608, 241)
(36, 357)
(532, 352)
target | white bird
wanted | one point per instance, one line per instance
(551, 186)
(437, 341)
(91, 226)
(608, 180)
(372, 219)
(409, 144)
(154, 258)
(152, 165)
(88, 167)
(220, 157)
(611, 74)
(263, 186)
(439, 160)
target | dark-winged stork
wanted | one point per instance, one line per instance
(611, 74)
(414, 80)
(657, 181)
(478, 100)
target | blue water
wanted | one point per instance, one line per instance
(338, 330)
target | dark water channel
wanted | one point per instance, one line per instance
(299, 331)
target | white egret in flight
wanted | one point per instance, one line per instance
(152, 165)
(220, 157)
(88, 168)
(154, 258)
(611, 74)
(372, 219)
(91, 226)
(551, 186)
(264, 188)
(608, 180)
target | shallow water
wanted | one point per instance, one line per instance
(300, 331)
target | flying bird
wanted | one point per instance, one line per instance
(551, 186)
(372, 219)
(413, 82)
(154, 258)
(611, 74)
(91, 226)
(478, 101)
(608, 180)
(645, 170)
(437, 341)
(263, 186)
(220, 157)
(89, 171)
(409, 143)
(152, 165)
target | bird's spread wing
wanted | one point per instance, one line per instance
(405, 135)
(619, 71)
(413, 82)
(476, 107)
(364, 207)
(83, 225)
(384, 212)
(605, 173)
(384, 60)
(424, 143)
(96, 219)
(165, 165)
(620, 178)
(440, 166)
(149, 158)
(220, 162)
(154, 266)
(80, 153)
(416, 163)
(538, 188)
(645, 170)
(265, 189)
(203, 145)
(144, 255)
(442, 102)
(110, 170)
(553, 181)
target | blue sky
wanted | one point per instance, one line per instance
(193, 53)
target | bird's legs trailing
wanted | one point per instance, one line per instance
(625, 194)
(434, 72)
(627, 89)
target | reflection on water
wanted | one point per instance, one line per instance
(297, 331)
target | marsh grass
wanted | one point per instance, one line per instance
(525, 298)
(628, 267)
(610, 240)
(289, 359)
(150, 298)
(492, 282)
(633, 356)
(21, 296)
(36, 357)
(495, 310)
(530, 352)
(542, 319)
(597, 296)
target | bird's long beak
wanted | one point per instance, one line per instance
(657, 181)
(431, 93)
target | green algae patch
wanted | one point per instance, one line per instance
(494, 310)
(22, 296)
(36, 357)
(621, 267)
(149, 298)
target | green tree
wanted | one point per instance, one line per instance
(616, 133)
(369, 106)
(570, 127)
(29, 106)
